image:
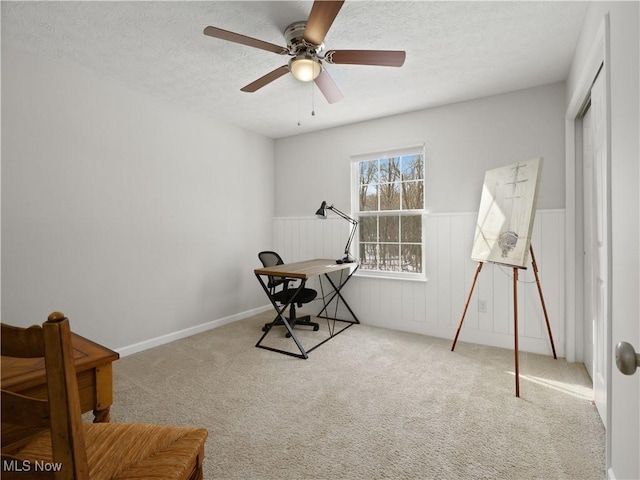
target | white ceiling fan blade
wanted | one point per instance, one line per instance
(328, 87)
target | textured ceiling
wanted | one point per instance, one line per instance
(455, 51)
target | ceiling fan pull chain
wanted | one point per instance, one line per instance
(313, 100)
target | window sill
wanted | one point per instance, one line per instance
(377, 276)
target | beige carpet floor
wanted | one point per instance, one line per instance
(371, 403)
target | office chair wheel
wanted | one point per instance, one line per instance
(316, 328)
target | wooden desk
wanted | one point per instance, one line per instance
(95, 383)
(303, 271)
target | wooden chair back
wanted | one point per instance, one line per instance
(60, 412)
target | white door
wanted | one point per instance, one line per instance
(596, 259)
(624, 400)
(616, 44)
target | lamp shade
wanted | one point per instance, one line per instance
(305, 68)
(322, 211)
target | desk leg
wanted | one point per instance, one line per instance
(332, 296)
(336, 293)
(285, 322)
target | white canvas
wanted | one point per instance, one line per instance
(507, 208)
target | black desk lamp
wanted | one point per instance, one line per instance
(322, 213)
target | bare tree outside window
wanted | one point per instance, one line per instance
(390, 209)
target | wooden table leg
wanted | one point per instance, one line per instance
(102, 416)
(104, 394)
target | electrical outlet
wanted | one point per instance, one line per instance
(482, 306)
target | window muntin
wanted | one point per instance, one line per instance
(390, 208)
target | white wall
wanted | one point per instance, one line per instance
(135, 218)
(462, 141)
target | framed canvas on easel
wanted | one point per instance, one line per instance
(503, 233)
(507, 209)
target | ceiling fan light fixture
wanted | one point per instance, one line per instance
(305, 68)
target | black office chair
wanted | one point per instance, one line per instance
(281, 292)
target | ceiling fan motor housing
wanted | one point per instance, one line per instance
(296, 44)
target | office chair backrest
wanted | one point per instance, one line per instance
(270, 259)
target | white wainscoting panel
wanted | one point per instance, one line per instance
(434, 307)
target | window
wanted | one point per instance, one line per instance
(389, 206)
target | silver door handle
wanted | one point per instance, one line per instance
(627, 359)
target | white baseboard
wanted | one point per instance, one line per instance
(187, 332)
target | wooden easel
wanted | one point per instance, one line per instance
(515, 313)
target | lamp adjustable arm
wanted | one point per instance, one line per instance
(353, 222)
(322, 213)
(343, 215)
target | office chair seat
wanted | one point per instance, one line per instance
(281, 292)
(305, 295)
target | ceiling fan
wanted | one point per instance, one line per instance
(306, 48)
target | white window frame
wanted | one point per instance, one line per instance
(355, 184)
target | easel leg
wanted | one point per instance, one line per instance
(515, 329)
(466, 305)
(544, 307)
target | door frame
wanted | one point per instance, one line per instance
(588, 180)
(598, 56)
